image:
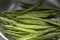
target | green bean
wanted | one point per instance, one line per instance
(58, 30)
(19, 32)
(30, 21)
(32, 26)
(50, 35)
(30, 36)
(20, 29)
(26, 5)
(43, 8)
(40, 14)
(7, 20)
(33, 13)
(13, 34)
(33, 18)
(12, 13)
(35, 26)
(44, 20)
(46, 7)
(50, 22)
(24, 25)
(33, 22)
(34, 6)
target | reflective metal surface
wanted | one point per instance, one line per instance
(14, 5)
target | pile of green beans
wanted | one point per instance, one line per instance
(33, 22)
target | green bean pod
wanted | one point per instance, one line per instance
(26, 5)
(50, 35)
(15, 32)
(55, 23)
(32, 22)
(34, 6)
(44, 20)
(39, 14)
(12, 34)
(20, 29)
(32, 13)
(20, 25)
(30, 36)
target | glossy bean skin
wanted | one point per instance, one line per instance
(44, 20)
(49, 35)
(26, 5)
(31, 23)
(39, 14)
(16, 28)
(20, 25)
(34, 6)
(39, 33)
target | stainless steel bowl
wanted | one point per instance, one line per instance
(14, 5)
